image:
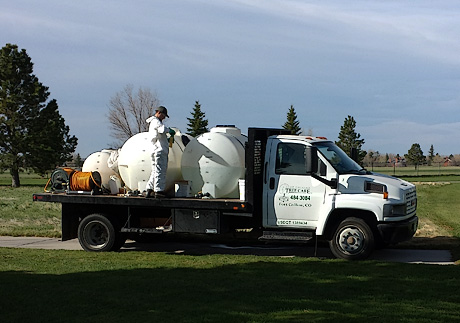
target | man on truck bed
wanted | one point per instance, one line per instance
(157, 181)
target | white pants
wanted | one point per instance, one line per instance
(157, 180)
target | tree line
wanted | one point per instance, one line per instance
(127, 110)
(125, 107)
(33, 134)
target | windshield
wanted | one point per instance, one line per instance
(338, 159)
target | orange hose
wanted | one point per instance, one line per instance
(83, 181)
(68, 170)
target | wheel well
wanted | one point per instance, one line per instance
(338, 215)
(73, 214)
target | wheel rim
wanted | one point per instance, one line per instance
(351, 240)
(96, 234)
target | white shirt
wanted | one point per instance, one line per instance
(158, 131)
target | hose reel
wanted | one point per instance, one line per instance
(59, 180)
(74, 182)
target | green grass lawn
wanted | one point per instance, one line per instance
(20, 216)
(26, 179)
(77, 286)
(440, 204)
(421, 171)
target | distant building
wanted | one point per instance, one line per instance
(448, 162)
(397, 161)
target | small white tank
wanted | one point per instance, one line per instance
(98, 162)
(214, 162)
(135, 161)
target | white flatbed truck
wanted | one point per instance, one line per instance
(296, 188)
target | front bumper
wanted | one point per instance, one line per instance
(395, 232)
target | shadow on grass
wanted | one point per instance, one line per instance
(437, 243)
(293, 290)
(423, 254)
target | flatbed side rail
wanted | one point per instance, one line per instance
(234, 205)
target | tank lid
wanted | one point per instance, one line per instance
(228, 129)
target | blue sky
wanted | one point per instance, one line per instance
(392, 65)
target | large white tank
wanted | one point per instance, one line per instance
(135, 161)
(214, 162)
(98, 162)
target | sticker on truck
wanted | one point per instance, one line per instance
(291, 222)
(294, 196)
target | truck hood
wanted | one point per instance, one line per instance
(355, 184)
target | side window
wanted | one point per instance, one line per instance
(290, 159)
(322, 168)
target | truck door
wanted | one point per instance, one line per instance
(291, 197)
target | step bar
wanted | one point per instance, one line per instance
(290, 236)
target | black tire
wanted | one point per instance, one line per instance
(97, 233)
(352, 240)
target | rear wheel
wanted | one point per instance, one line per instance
(97, 233)
(352, 240)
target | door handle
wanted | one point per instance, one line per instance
(272, 183)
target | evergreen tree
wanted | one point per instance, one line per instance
(78, 161)
(430, 155)
(415, 155)
(32, 132)
(292, 123)
(197, 125)
(348, 139)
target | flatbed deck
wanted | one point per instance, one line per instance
(234, 205)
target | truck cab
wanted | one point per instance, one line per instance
(311, 185)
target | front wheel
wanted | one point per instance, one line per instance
(352, 240)
(97, 233)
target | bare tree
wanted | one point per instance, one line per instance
(128, 112)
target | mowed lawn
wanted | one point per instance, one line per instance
(135, 286)
(132, 286)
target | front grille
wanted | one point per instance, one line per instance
(411, 201)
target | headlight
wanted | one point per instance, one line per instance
(394, 210)
(372, 187)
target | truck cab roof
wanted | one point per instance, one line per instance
(309, 139)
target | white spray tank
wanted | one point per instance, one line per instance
(135, 160)
(98, 161)
(214, 162)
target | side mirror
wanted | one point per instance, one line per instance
(311, 159)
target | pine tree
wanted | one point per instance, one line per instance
(415, 155)
(32, 132)
(348, 139)
(292, 123)
(78, 161)
(51, 144)
(430, 155)
(197, 125)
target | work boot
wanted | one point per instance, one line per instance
(149, 193)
